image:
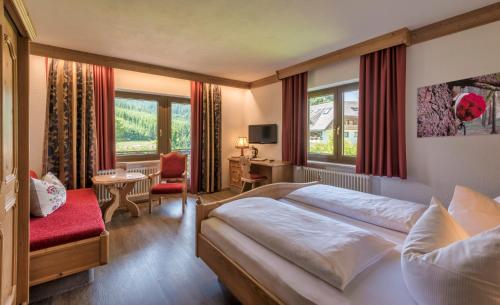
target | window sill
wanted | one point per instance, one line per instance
(332, 165)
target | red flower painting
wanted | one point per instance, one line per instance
(469, 106)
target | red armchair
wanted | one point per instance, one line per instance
(173, 178)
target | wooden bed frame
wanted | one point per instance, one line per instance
(235, 278)
(66, 259)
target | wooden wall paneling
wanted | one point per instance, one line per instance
(9, 164)
(20, 17)
(119, 63)
(23, 172)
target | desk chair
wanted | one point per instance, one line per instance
(247, 177)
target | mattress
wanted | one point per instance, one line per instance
(79, 218)
(381, 283)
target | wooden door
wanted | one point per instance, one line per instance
(8, 165)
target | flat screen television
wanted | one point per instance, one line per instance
(263, 134)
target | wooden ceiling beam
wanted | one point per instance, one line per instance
(125, 64)
(391, 39)
(475, 18)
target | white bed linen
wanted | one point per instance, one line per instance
(383, 211)
(330, 249)
(381, 283)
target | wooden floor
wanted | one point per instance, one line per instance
(152, 261)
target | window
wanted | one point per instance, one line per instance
(333, 124)
(147, 125)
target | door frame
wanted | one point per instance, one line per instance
(18, 13)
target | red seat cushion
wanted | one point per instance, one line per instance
(79, 218)
(167, 188)
(257, 176)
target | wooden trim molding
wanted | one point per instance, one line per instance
(475, 18)
(265, 81)
(21, 17)
(125, 64)
(391, 39)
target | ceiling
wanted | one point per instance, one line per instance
(243, 40)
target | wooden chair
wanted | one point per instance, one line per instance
(173, 178)
(247, 177)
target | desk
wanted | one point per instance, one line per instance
(119, 187)
(276, 171)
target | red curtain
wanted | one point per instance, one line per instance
(196, 134)
(104, 100)
(381, 128)
(294, 130)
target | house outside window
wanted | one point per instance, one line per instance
(333, 124)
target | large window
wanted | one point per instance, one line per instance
(333, 124)
(147, 125)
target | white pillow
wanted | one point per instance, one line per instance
(442, 266)
(46, 195)
(382, 211)
(474, 211)
(497, 199)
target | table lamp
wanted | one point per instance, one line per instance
(242, 143)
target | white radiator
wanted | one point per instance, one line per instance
(346, 180)
(141, 188)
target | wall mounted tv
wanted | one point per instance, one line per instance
(263, 134)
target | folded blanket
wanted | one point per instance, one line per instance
(382, 211)
(333, 251)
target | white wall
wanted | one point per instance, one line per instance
(440, 163)
(37, 108)
(264, 107)
(436, 165)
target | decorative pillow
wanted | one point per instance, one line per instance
(51, 178)
(497, 199)
(46, 195)
(442, 266)
(474, 211)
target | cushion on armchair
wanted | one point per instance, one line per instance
(167, 188)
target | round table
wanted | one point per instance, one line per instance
(119, 186)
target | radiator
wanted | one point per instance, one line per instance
(141, 188)
(346, 180)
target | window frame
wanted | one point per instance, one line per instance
(338, 124)
(164, 127)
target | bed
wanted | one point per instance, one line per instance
(68, 241)
(257, 275)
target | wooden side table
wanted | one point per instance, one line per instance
(119, 186)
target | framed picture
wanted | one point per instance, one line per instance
(464, 107)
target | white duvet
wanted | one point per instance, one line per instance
(332, 250)
(382, 211)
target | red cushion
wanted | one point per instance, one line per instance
(173, 165)
(257, 176)
(167, 188)
(33, 174)
(78, 219)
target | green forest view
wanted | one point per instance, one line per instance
(136, 123)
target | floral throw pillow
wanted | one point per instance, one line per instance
(47, 195)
